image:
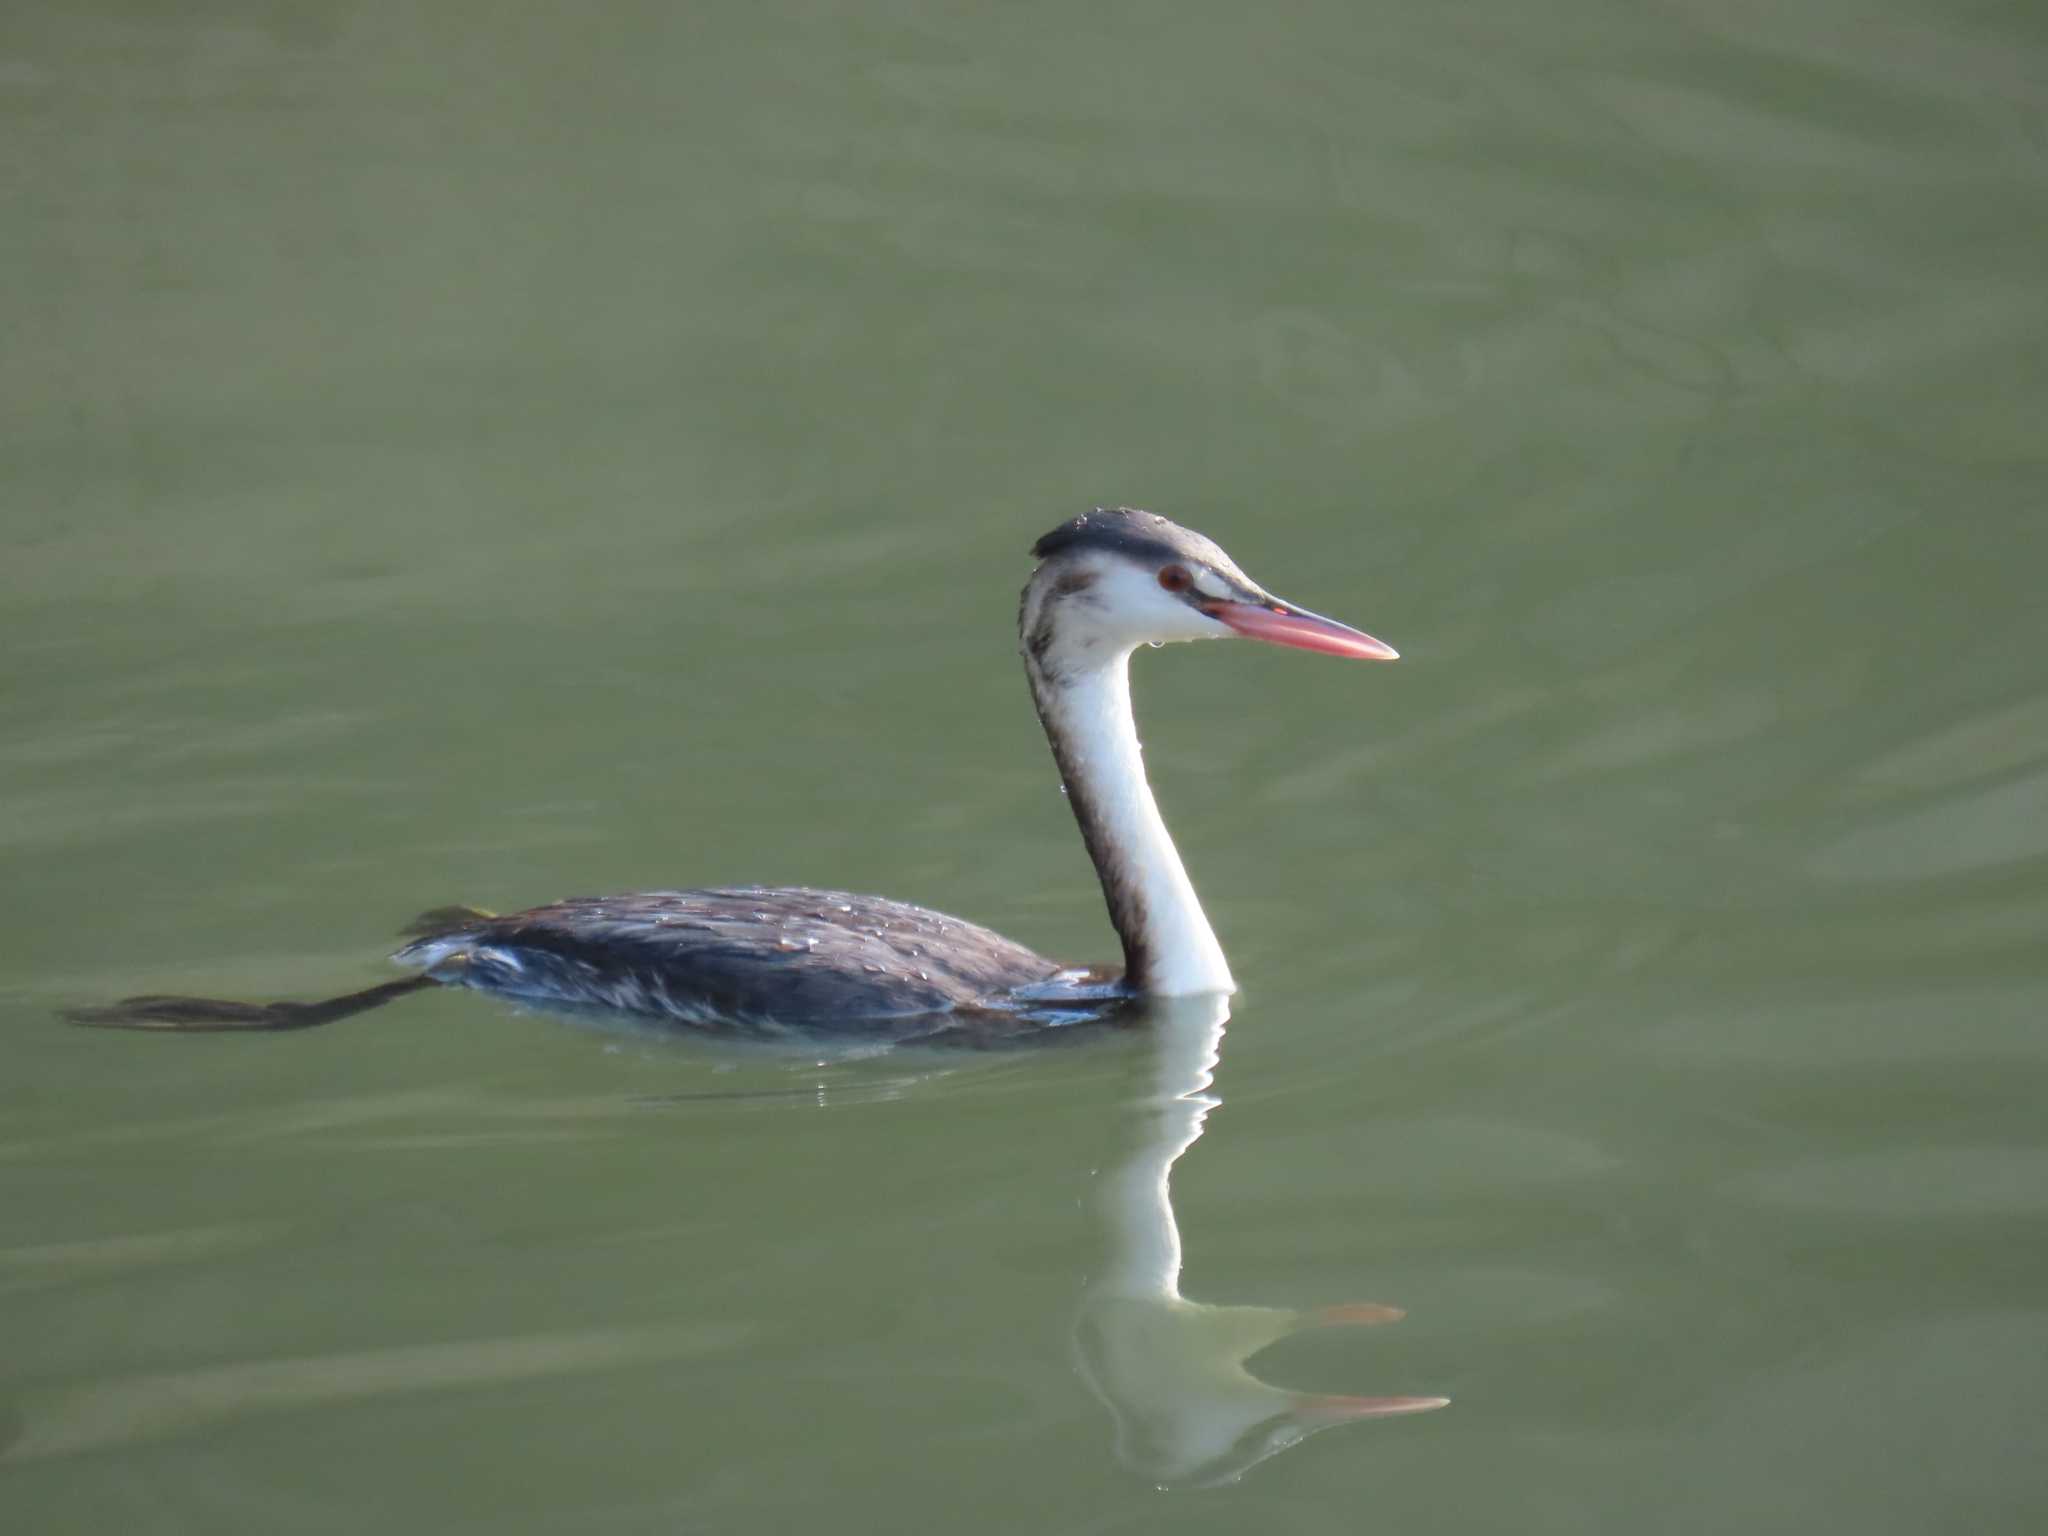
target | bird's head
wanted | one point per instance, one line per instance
(1116, 578)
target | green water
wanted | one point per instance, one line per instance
(484, 453)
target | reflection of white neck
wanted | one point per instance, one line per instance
(1171, 1370)
(1169, 946)
(1144, 1237)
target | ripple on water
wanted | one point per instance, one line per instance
(123, 1409)
(32, 1265)
(1939, 1182)
(2000, 825)
(1957, 1025)
(1446, 1152)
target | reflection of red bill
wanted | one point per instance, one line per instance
(1280, 624)
(1330, 1409)
(1367, 1313)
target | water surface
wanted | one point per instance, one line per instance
(463, 454)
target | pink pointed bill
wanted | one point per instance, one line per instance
(1280, 624)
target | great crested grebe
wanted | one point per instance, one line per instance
(768, 960)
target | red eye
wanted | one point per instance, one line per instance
(1175, 578)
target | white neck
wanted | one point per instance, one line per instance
(1169, 947)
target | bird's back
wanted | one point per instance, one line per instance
(756, 960)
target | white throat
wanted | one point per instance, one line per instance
(1168, 942)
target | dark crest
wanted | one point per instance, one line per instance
(1128, 531)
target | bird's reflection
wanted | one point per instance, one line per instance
(1172, 1371)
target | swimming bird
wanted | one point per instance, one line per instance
(775, 960)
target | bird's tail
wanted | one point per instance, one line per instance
(197, 1015)
(201, 1014)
